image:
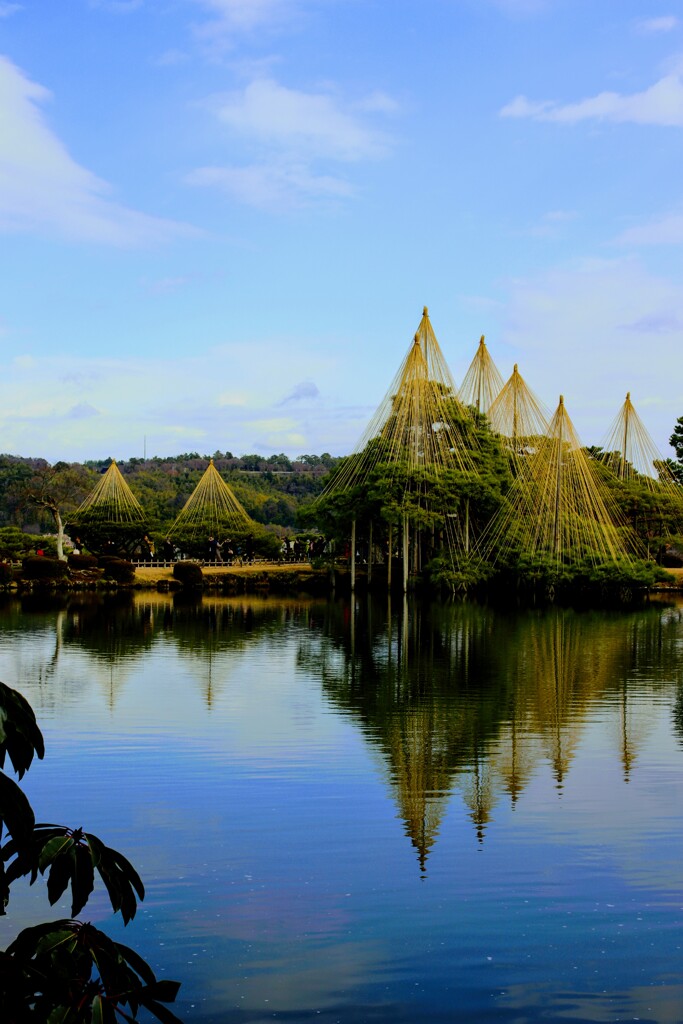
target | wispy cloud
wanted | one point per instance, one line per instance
(660, 104)
(593, 330)
(552, 223)
(117, 6)
(301, 392)
(7, 9)
(42, 188)
(655, 26)
(245, 15)
(666, 230)
(275, 185)
(297, 136)
(316, 123)
(228, 21)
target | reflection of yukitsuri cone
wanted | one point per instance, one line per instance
(514, 757)
(558, 506)
(420, 768)
(111, 501)
(483, 382)
(518, 415)
(569, 670)
(418, 423)
(479, 795)
(211, 507)
(632, 727)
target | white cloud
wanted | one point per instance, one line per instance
(43, 188)
(653, 26)
(297, 136)
(660, 104)
(521, 8)
(117, 6)
(189, 403)
(276, 186)
(593, 331)
(7, 9)
(663, 231)
(307, 389)
(313, 123)
(245, 15)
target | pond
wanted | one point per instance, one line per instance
(364, 811)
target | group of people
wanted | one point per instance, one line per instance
(229, 551)
(302, 549)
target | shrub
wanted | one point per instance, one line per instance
(15, 544)
(188, 573)
(40, 567)
(82, 561)
(5, 573)
(118, 569)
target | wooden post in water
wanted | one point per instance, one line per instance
(370, 555)
(353, 555)
(389, 554)
(406, 554)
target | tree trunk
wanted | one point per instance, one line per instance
(60, 535)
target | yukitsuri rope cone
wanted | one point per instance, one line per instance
(483, 382)
(518, 415)
(419, 430)
(111, 501)
(419, 421)
(212, 508)
(631, 454)
(558, 507)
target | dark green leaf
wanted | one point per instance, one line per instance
(137, 963)
(20, 737)
(53, 848)
(83, 879)
(61, 873)
(161, 1013)
(15, 810)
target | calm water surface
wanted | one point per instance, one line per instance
(350, 813)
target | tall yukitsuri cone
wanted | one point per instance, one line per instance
(518, 415)
(212, 508)
(111, 519)
(419, 422)
(110, 501)
(420, 429)
(483, 382)
(558, 506)
(632, 456)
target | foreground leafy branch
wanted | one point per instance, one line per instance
(65, 971)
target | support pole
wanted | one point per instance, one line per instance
(558, 483)
(467, 526)
(353, 555)
(622, 467)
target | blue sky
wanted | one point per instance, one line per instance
(220, 219)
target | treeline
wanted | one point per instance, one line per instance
(272, 489)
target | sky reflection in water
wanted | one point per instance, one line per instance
(414, 813)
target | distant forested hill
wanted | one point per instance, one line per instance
(271, 489)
